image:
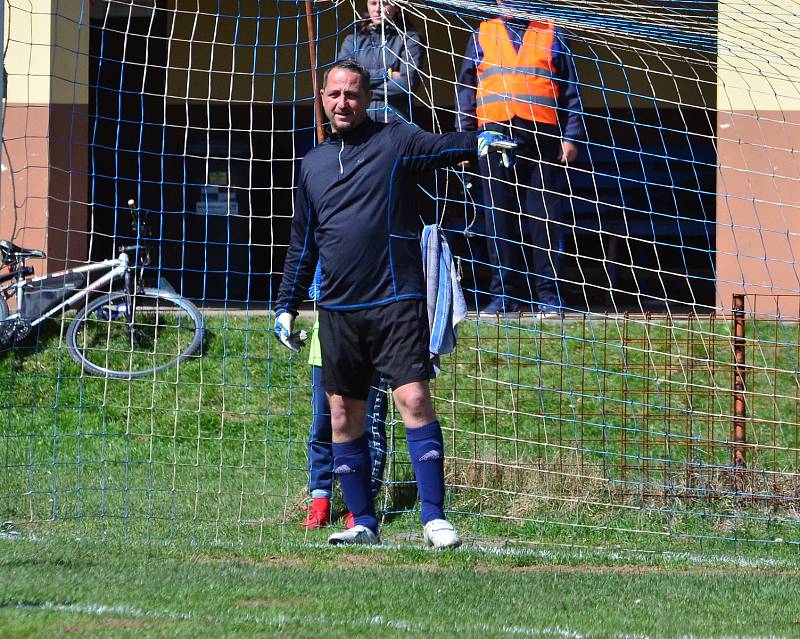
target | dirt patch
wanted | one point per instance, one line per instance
(357, 560)
(284, 562)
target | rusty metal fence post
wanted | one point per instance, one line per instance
(739, 389)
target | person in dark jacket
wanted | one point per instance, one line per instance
(355, 213)
(518, 78)
(388, 46)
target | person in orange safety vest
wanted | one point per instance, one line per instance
(518, 78)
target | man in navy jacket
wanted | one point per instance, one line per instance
(355, 212)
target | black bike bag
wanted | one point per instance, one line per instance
(44, 295)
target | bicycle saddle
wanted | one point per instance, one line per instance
(12, 253)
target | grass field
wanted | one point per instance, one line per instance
(94, 589)
(588, 466)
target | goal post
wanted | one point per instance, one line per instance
(654, 413)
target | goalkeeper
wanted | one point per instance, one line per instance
(518, 78)
(356, 213)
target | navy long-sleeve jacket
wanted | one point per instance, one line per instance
(570, 110)
(356, 212)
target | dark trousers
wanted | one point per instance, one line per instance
(320, 449)
(522, 207)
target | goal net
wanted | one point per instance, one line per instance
(655, 407)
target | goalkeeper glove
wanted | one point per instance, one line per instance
(284, 331)
(494, 141)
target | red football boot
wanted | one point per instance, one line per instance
(319, 513)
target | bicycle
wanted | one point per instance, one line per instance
(126, 333)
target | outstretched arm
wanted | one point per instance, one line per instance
(423, 151)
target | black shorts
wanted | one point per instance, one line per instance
(392, 339)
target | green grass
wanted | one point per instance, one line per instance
(584, 464)
(93, 589)
(597, 434)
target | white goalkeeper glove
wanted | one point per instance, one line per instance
(494, 141)
(284, 331)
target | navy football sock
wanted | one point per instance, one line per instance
(351, 464)
(426, 448)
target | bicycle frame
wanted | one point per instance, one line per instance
(117, 268)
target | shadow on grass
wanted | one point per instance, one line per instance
(42, 337)
(209, 340)
(399, 499)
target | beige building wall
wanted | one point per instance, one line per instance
(43, 166)
(211, 56)
(758, 129)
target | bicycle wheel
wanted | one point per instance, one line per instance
(165, 329)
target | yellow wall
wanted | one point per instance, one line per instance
(27, 60)
(759, 55)
(47, 52)
(221, 58)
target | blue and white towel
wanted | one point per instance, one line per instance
(446, 304)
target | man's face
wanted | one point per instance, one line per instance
(374, 10)
(344, 100)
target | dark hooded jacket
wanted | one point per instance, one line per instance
(403, 52)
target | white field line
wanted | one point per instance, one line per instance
(634, 556)
(282, 619)
(628, 556)
(103, 610)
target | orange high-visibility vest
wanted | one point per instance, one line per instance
(516, 83)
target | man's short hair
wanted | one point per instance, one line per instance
(349, 65)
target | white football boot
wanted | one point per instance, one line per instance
(357, 535)
(440, 533)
